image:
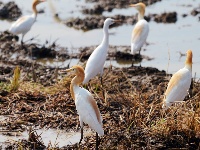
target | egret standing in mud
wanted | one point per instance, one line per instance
(97, 59)
(140, 31)
(24, 24)
(86, 106)
(179, 83)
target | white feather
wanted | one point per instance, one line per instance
(138, 40)
(95, 62)
(97, 59)
(22, 25)
(86, 111)
(180, 89)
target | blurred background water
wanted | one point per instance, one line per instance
(165, 40)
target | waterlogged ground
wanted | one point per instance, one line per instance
(40, 113)
(169, 35)
(131, 111)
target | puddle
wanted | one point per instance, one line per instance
(163, 39)
(58, 138)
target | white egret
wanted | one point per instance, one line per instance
(24, 24)
(86, 106)
(141, 29)
(97, 59)
(179, 83)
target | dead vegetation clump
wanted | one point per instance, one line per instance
(15, 81)
(130, 102)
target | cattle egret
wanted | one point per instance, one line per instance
(86, 106)
(141, 29)
(24, 24)
(179, 83)
(97, 59)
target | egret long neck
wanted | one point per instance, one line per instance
(188, 62)
(34, 9)
(105, 36)
(76, 81)
(141, 14)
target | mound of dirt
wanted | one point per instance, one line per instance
(9, 11)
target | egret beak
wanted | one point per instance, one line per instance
(62, 71)
(42, 1)
(132, 5)
(67, 70)
(117, 21)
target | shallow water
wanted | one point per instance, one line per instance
(165, 40)
(57, 138)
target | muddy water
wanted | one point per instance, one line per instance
(54, 137)
(165, 40)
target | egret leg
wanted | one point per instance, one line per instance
(132, 62)
(22, 43)
(81, 135)
(101, 78)
(139, 51)
(97, 141)
(33, 73)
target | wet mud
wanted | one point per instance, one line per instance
(96, 19)
(130, 100)
(95, 22)
(9, 11)
(131, 111)
(14, 53)
(166, 18)
(102, 5)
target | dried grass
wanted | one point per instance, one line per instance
(132, 112)
(15, 81)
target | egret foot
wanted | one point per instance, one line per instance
(81, 135)
(97, 141)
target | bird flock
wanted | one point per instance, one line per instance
(86, 105)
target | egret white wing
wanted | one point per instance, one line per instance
(88, 110)
(95, 63)
(139, 35)
(178, 86)
(22, 25)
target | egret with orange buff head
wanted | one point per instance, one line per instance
(24, 24)
(86, 105)
(140, 31)
(179, 83)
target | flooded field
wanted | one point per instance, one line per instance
(37, 110)
(165, 40)
(56, 138)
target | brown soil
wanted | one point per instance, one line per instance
(30, 50)
(131, 110)
(195, 11)
(94, 22)
(132, 114)
(102, 5)
(166, 17)
(9, 11)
